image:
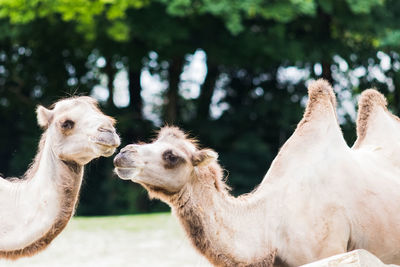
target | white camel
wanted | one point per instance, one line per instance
(319, 197)
(36, 208)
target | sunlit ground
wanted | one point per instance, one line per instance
(136, 240)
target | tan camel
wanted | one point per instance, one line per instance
(35, 209)
(319, 197)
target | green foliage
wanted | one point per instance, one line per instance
(363, 6)
(122, 223)
(119, 31)
(84, 13)
(391, 38)
(234, 12)
(52, 48)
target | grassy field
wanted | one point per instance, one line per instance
(134, 240)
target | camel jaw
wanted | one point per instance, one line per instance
(106, 150)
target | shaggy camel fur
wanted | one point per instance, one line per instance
(36, 208)
(319, 197)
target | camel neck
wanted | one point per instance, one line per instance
(42, 203)
(225, 229)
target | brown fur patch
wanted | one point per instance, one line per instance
(171, 160)
(318, 91)
(214, 174)
(192, 220)
(193, 223)
(158, 192)
(203, 157)
(369, 100)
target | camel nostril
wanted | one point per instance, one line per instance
(125, 152)
(105, 130)
(106, 136)
(131, 148)
(122, 160)
(116, 160)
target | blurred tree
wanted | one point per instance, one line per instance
(259, 56)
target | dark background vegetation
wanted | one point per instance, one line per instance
(50, 49)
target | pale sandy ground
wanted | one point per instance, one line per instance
(144, 240)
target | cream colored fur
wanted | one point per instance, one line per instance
(33, 210)
(319, 197)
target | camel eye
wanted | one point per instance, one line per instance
(170, 159)
(67, 125)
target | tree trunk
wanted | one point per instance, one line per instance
(135, 89)
(327, 72)
(174, 73)
(207, 91)
(396, 95)
(325, 36)
(110, 72)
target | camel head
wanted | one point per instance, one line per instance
(78, 130)
(166, 164)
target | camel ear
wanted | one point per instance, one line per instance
(204, 157)
(44, 116)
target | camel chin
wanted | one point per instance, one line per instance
(104, 150)
(128, 173)
(105, 143)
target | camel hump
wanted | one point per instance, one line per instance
(321, 105)
(372, 104)
(321, 89)
(318, 134)
(319, 126)
(369, 99)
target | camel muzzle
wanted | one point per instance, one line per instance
(124, 159)
(107, 137)
(125, 166)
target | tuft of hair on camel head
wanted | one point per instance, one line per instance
(174, 133)
(171, 131)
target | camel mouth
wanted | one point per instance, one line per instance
(106, 144)
(108, 151)
(103, 144)
(104, 149)
(130, 173)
